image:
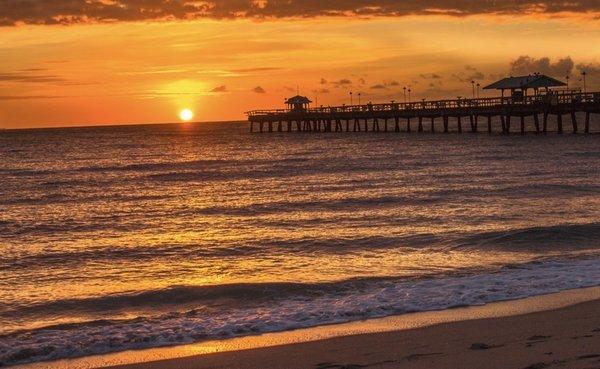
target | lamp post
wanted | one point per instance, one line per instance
(351, 99)
(359, 94)
(404, 88)
(473, 85)
(584, 73)
(409, 90)
(567, 78)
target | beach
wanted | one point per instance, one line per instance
(567, 337)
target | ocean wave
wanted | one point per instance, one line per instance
(535, 239)
(364, 202)
(78, 198)
(221, 296)
(538, 239)
(295, 309)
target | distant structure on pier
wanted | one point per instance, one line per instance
(518, 86)
(298, 103)
(549, 98)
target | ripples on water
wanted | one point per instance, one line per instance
(128, 237)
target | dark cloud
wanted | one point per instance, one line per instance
(592, 74)
(472, 74)
(593, 68)
(394, 83)
(252, 70)
(525, 65)
(378, 87)
(83, 11)
(342, 82)
(28, 97)
(323, 81)
(430, 76)
(219, 89)
(27, 77)
(259, 90)
(476, 76)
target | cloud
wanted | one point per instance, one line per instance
(251, 70)
(28, 97)
(430, 76)
(593, 68)
(472, 74)
(476, 76)
(525, 65)
(394, 83)
(592, 71)
(219, 89)
(14, 12)
(31, 78)
(342, 82)
(378, 87)
(323, 81)
(259, 90)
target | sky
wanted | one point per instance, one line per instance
(95, 62)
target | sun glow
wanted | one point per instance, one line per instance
(186, 115)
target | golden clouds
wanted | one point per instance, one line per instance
(14, 12)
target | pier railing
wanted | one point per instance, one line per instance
(551, 99)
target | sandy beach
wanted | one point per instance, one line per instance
(567, 337)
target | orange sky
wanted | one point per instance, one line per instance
(147, 71)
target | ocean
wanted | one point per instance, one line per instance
(128, 237)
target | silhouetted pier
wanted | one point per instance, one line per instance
(549, 98)
(427, 115)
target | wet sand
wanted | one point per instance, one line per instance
(567, 337)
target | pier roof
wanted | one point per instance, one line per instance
(298, 100)
(525, 82)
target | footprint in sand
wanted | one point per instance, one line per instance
(483, 346)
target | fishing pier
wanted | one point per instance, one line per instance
(425, 116)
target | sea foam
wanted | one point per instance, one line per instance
(298, 310)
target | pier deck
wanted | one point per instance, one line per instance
(397, 117)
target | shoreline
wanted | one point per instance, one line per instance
(194, 355)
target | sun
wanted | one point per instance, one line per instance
(186, 115)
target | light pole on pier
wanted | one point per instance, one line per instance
(567, 78)
(359, 94)
(404, 88)
(584, 74)
(409, 90)
(351, 99)
(473, 85)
